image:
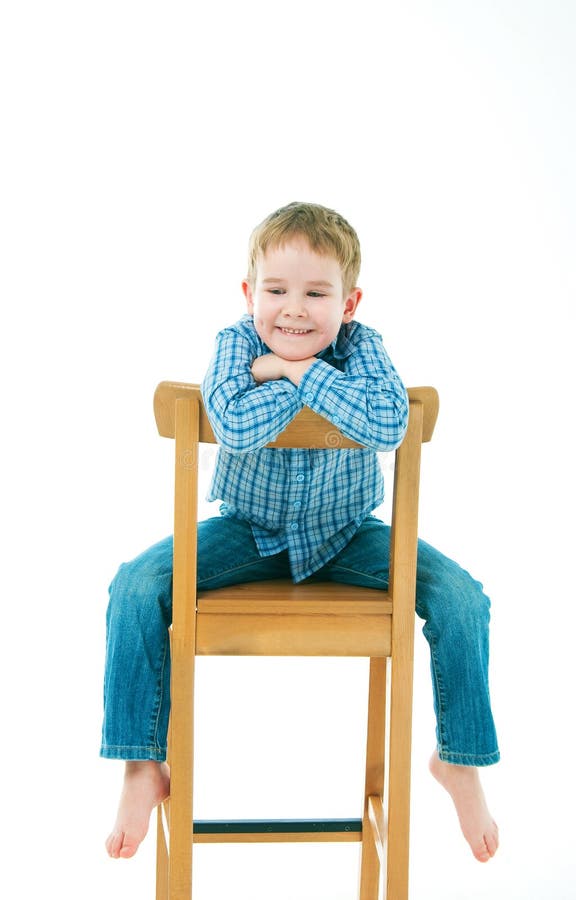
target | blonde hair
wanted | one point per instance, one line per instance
(327, 233)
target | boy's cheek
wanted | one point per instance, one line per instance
(260, 328)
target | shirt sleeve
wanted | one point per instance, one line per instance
(366, 400)
(245, 415)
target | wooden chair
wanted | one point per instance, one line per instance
(296, 620)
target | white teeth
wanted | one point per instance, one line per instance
(296, 330)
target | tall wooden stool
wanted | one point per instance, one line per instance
(282, 619)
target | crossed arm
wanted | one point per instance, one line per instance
(251, 397)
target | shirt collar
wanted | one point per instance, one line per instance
(341, 346)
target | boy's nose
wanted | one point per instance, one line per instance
(294, 306)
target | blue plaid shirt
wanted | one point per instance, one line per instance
(310, 502)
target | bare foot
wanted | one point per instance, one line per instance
(463, 785)
(146, 784)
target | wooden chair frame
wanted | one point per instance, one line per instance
(292, 620)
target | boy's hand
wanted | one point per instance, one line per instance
(271, 367)
(267, 368)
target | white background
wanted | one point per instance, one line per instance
(140, 144)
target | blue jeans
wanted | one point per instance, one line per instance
(137, 672)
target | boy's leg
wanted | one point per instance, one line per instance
(227, 554)
(136, 690)
(456, 614)
(137, 668)
(137, 671)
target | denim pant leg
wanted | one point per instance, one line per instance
(137, 668)
(456, 615)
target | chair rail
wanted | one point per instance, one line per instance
(316, 430)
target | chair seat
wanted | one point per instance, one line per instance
(284, 619)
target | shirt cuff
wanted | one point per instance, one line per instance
(314, 389)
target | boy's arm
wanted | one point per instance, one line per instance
(244, 414)
(269, 367)
(367, 401)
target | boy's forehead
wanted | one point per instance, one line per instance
(294, 250)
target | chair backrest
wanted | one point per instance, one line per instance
(307, 429)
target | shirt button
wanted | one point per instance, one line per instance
(336, 420)
(309, 396)
(294, 526)
(297, 504)
(300, 478)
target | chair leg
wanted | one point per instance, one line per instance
(181, 777)
(183, 646)
(175, 822)
(399, 782)
(374, 786)
(161, 857)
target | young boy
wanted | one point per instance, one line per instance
(298, 513)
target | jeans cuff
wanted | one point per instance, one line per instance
(133, 753)
(469, 759)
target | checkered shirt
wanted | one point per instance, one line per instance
(309, 502)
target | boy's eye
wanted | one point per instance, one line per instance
(277, 292)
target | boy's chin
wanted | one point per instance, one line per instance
(292, 352)
(294, 356)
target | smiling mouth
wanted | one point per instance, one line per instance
(295, 330)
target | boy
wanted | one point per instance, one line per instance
(300, 514)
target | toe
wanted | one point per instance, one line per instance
(121, 846)
(114, 844)
(492, 840)
(485, 848)
(128, 848)
(481, 853)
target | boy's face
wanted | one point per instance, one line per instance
(298, 302)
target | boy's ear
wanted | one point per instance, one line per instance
(351, 304)
(249, 296)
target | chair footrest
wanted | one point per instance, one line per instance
(217, 830)
(280, 826)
